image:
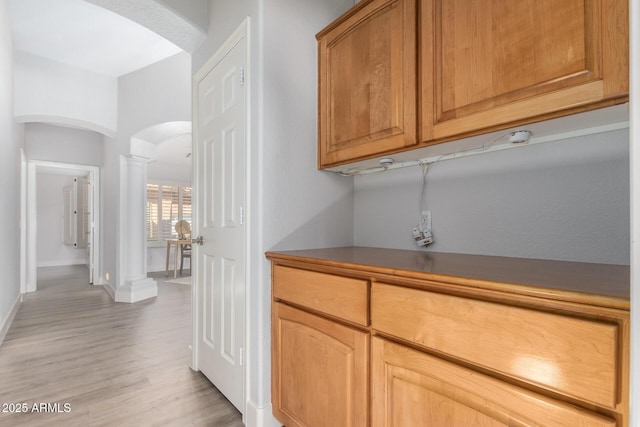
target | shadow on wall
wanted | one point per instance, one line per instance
(566, 200)
(331, 227)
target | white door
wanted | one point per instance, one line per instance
(69, 237)
(219, 156)
(83, 213)
(84, 202)
(87, 225)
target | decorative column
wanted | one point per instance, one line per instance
(137, 286)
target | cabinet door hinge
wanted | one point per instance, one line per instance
(241, 76)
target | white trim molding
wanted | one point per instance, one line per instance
(108, 289)
(137, 286)
(136, 290)
(8, 320)
(260, 416)
(242, 32)
(61, 263)
(634, 148)
(67, 121)
(31, 261)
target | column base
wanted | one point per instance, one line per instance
(137, 290)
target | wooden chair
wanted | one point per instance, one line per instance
(185, 252)
(183, 228)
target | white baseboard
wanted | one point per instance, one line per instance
(100, 281)
(157, 268)
(137, 290)
(61, 263)
(6, 322)
(108, 289)
(162, 268)
(257, 416)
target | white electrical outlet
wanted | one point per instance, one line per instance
(426, 220)
(422, 232)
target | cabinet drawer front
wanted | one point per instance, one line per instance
(574, 356)
(342, 297)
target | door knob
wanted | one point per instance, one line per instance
(198, 241)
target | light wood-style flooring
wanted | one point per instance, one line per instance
(114, 364)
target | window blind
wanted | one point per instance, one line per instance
(166, 205)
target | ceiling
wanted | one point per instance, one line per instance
(175, 151)
(84, 35)
(172, 141)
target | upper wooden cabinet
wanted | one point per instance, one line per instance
(368, 81)
(449, 69)
(490, 63)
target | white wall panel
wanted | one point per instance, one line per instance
(52, 92)
(64, 145)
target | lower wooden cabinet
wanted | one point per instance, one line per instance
(472, 341)
(411, 388)
(319, 370)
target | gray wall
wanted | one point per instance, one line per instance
(164, 172)
(10, 141)
(190, 10)
(303, 207)
(62, 144)
(51, 250)
(147, 97)
(293, 205)
(564, 200)
(153, 95)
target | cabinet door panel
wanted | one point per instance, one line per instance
(499, 61)
(367, 82)
(319, 370)
(490, 50)
(410, 388)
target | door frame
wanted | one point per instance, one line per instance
(241, 32)
(30, 254)
(23, 222)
